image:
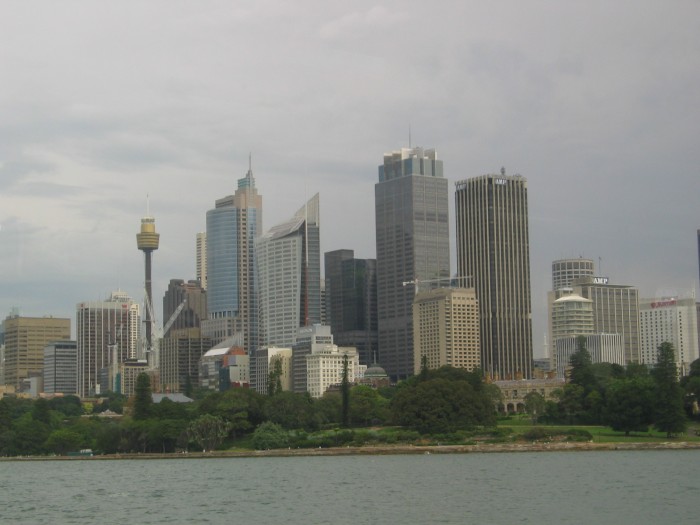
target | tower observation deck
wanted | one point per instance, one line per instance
(147, 241)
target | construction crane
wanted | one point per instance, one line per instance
(417, 282)
(158, 332)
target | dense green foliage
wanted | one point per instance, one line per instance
(443, 400)
(142, 397)
(628, 400)
(270, 435)
(447, 405)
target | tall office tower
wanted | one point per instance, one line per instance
(25, 339)
(232, 227)
(60, 368)
(194, 309)
(107, 334)
(615, 311)
(493, 249)
(201, 259)
(446, 329)
(412, 235)
(351, 302)
(289, 272)
(672, 320)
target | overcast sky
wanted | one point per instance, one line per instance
(596, 103)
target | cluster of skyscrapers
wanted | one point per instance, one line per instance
(259, 309)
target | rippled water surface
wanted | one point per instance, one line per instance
(554, 487)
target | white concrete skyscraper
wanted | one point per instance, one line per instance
(289, 272)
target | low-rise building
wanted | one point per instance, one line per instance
(513, 392)
(603, 348)
(277, 360)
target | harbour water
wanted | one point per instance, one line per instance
(635, 487)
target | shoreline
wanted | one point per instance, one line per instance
(384, 451)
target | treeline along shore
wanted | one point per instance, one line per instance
(601, 407)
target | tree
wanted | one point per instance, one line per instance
(367, 407)
(535, 405)
(440, 405)
(291, 410)
(274, 379)
(582, 372)
(630, 404)
(143, 398)
(242, 407)
(209, 431)
(329, 408)
(41, 411)
(345, 394)
(270, 435)
(669, 416)
(68, 405)
(571, 399)
(62, 441)
(188, 386)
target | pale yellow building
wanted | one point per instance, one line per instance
(446, 329)
(25, 340)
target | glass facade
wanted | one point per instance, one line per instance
(412, 236)
(232, 227)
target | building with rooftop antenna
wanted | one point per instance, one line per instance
(231, 283)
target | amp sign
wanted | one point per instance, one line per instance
(600, 280)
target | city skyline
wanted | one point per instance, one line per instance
(91, 127)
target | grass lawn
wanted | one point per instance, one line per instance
(603, 434)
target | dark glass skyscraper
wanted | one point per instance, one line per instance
(412, 227)
(351, 302)
(493, 250)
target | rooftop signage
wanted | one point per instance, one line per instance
(600, 280)
(660, 304)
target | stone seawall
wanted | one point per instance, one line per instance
(387, 450)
